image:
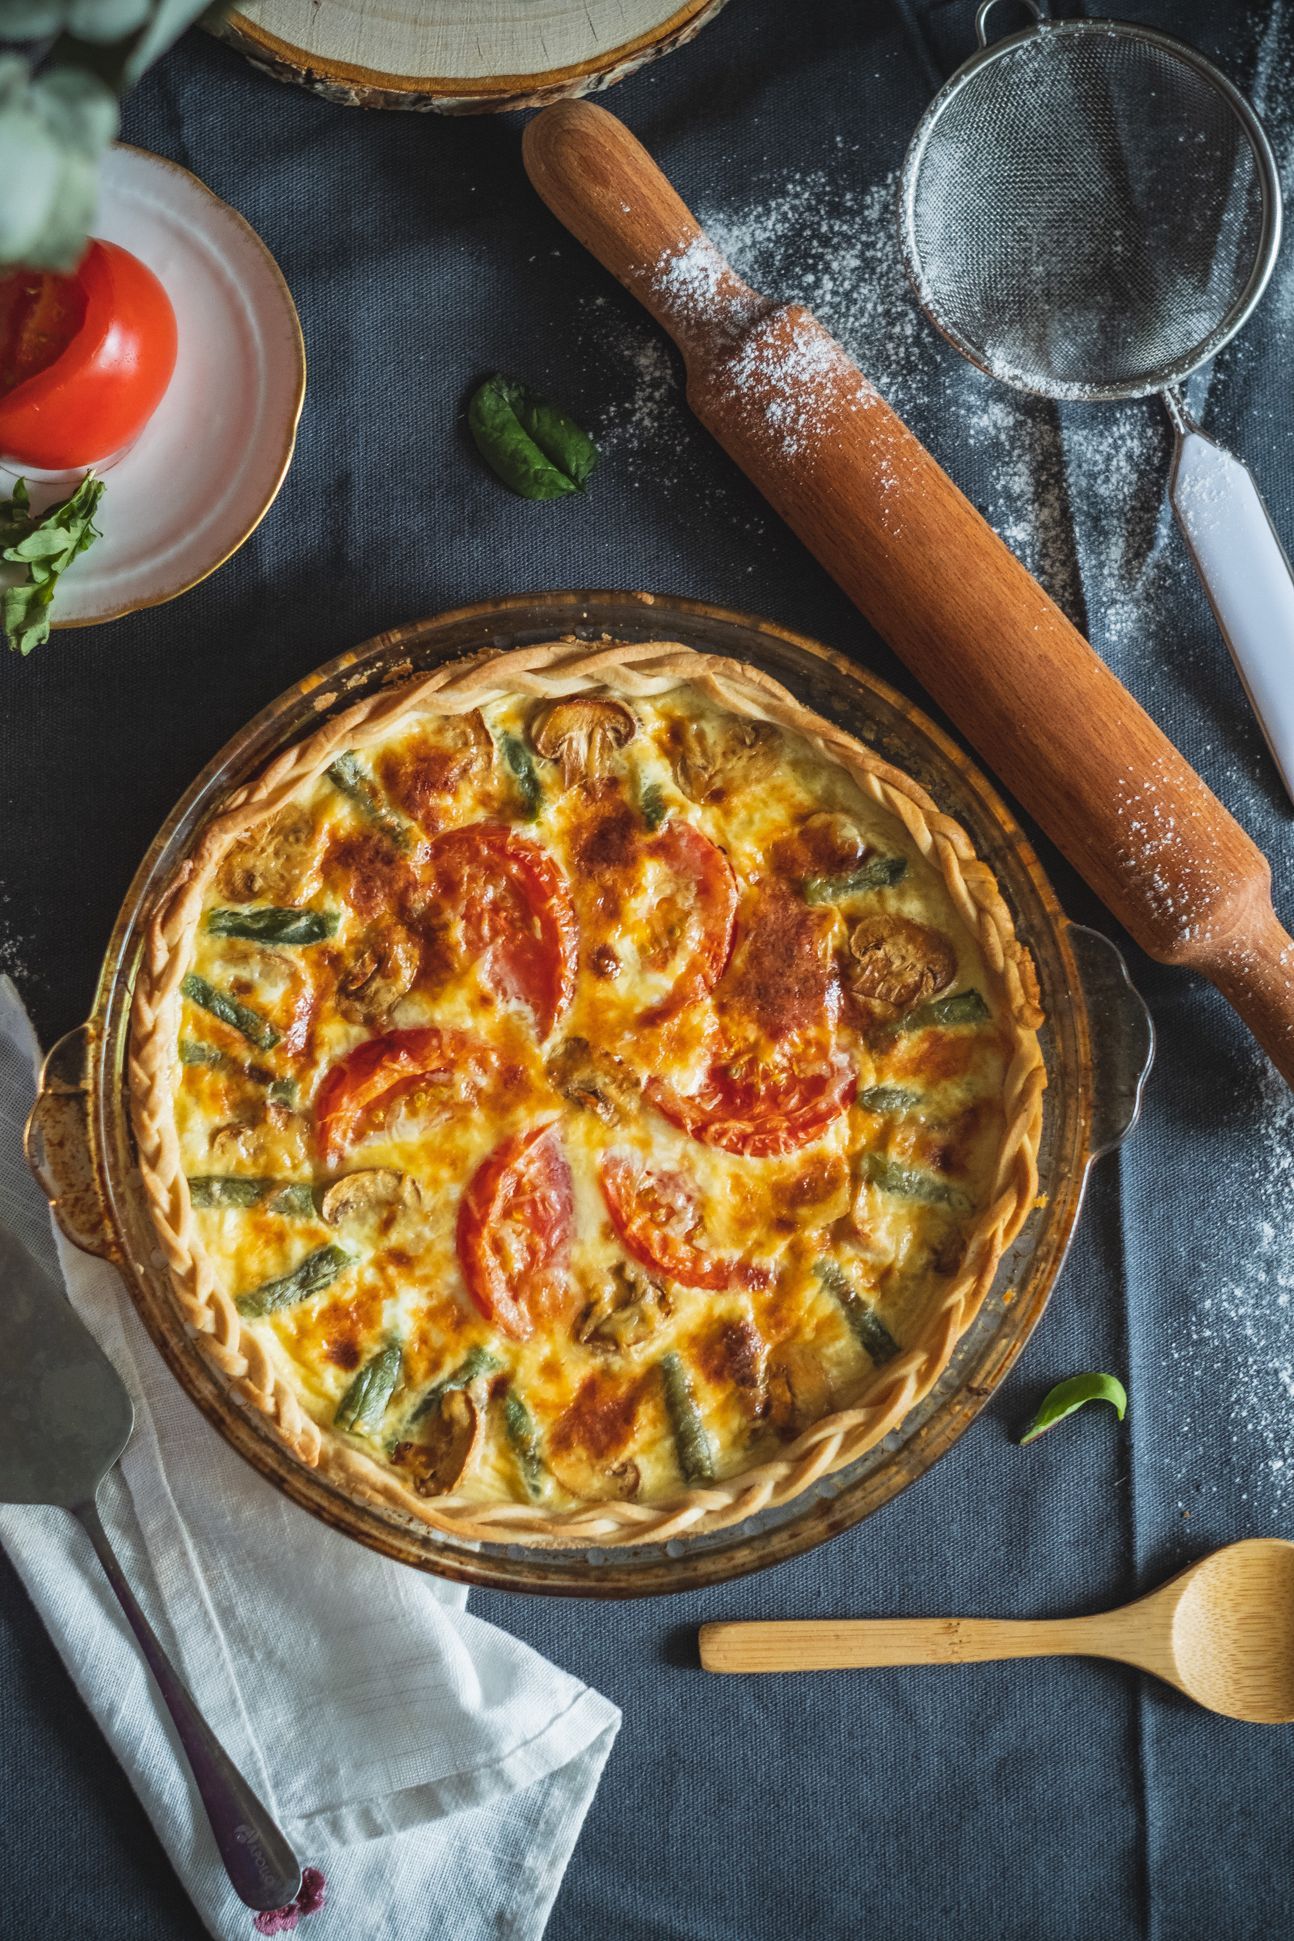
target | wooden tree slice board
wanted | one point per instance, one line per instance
(460, 56)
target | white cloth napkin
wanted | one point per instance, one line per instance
(435, 1769)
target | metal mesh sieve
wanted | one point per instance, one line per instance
(1089, 209)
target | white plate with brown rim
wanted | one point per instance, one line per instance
(206, 468)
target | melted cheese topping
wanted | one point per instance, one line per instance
(633, 1380)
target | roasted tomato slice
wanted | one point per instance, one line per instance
(757, 1109)
(514, 1231)
(515, 912)
(695, 927)
(359, 1087)
(658, 1221)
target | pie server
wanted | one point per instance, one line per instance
(65, 1418)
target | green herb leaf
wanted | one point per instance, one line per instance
(526, 776)
(45, 543)
(529, 443)
(368, 1397)
(274, 926)
(878, 874)
(1070, 1395)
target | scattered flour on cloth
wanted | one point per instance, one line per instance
(1079, 494)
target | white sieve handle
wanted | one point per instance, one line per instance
(1246, 575)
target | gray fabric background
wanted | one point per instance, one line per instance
(1052, 1803)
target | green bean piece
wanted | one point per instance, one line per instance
(359, 787)
(194, 1052)
(252, 1026)
(695, 1456)
(908, 1183)
(367, 1399)
(525, 775)
(651, 802)
(864, 1322)
(891, 1101)
(966, 1007)
(268, 924)
(310, 1276)
(478, 1361)
(213, 1190)
(282, 1091)
(523, 1438)
(878, 874)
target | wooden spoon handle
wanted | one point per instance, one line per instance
(848, 1644)
(935, 580)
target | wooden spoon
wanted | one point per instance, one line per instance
(932, 576)
(1222, 1632)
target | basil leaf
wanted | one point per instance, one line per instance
(1070, 1395)
(527, 442)
(45, 544)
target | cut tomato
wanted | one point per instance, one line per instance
(359, 1087)
(87, 359)
(514, 1230)
(759, 1110)
(516, 913)
(658, 1221)
(706, 917)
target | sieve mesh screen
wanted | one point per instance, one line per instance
(1085, 211)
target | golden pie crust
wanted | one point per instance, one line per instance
(244, 1351)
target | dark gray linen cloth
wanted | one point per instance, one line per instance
(1052, 1802)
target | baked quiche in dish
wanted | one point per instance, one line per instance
(584, 1096)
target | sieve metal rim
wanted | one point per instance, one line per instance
(1165, 376)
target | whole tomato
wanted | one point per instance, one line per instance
(84, 359)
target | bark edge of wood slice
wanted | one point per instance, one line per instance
(412, 54)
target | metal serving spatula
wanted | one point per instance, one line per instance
(65, 1418)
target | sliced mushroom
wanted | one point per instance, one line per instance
(448, 1445)
(234, 1141)
(582, 733)
(798, 1387)
(275, 864)
(713, 758)
(895, 963)
(595, 1080)
(594, 1481)
(372, 1193)
(626, 1309)
(383, 972)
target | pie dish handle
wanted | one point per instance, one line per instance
(59, 1144)
(1123, 1037)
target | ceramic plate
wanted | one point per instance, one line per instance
(206, 467)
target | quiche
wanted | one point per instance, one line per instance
(582, 1094)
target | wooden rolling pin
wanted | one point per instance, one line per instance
(975, 627)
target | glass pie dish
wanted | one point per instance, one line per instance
(1097, 1046)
